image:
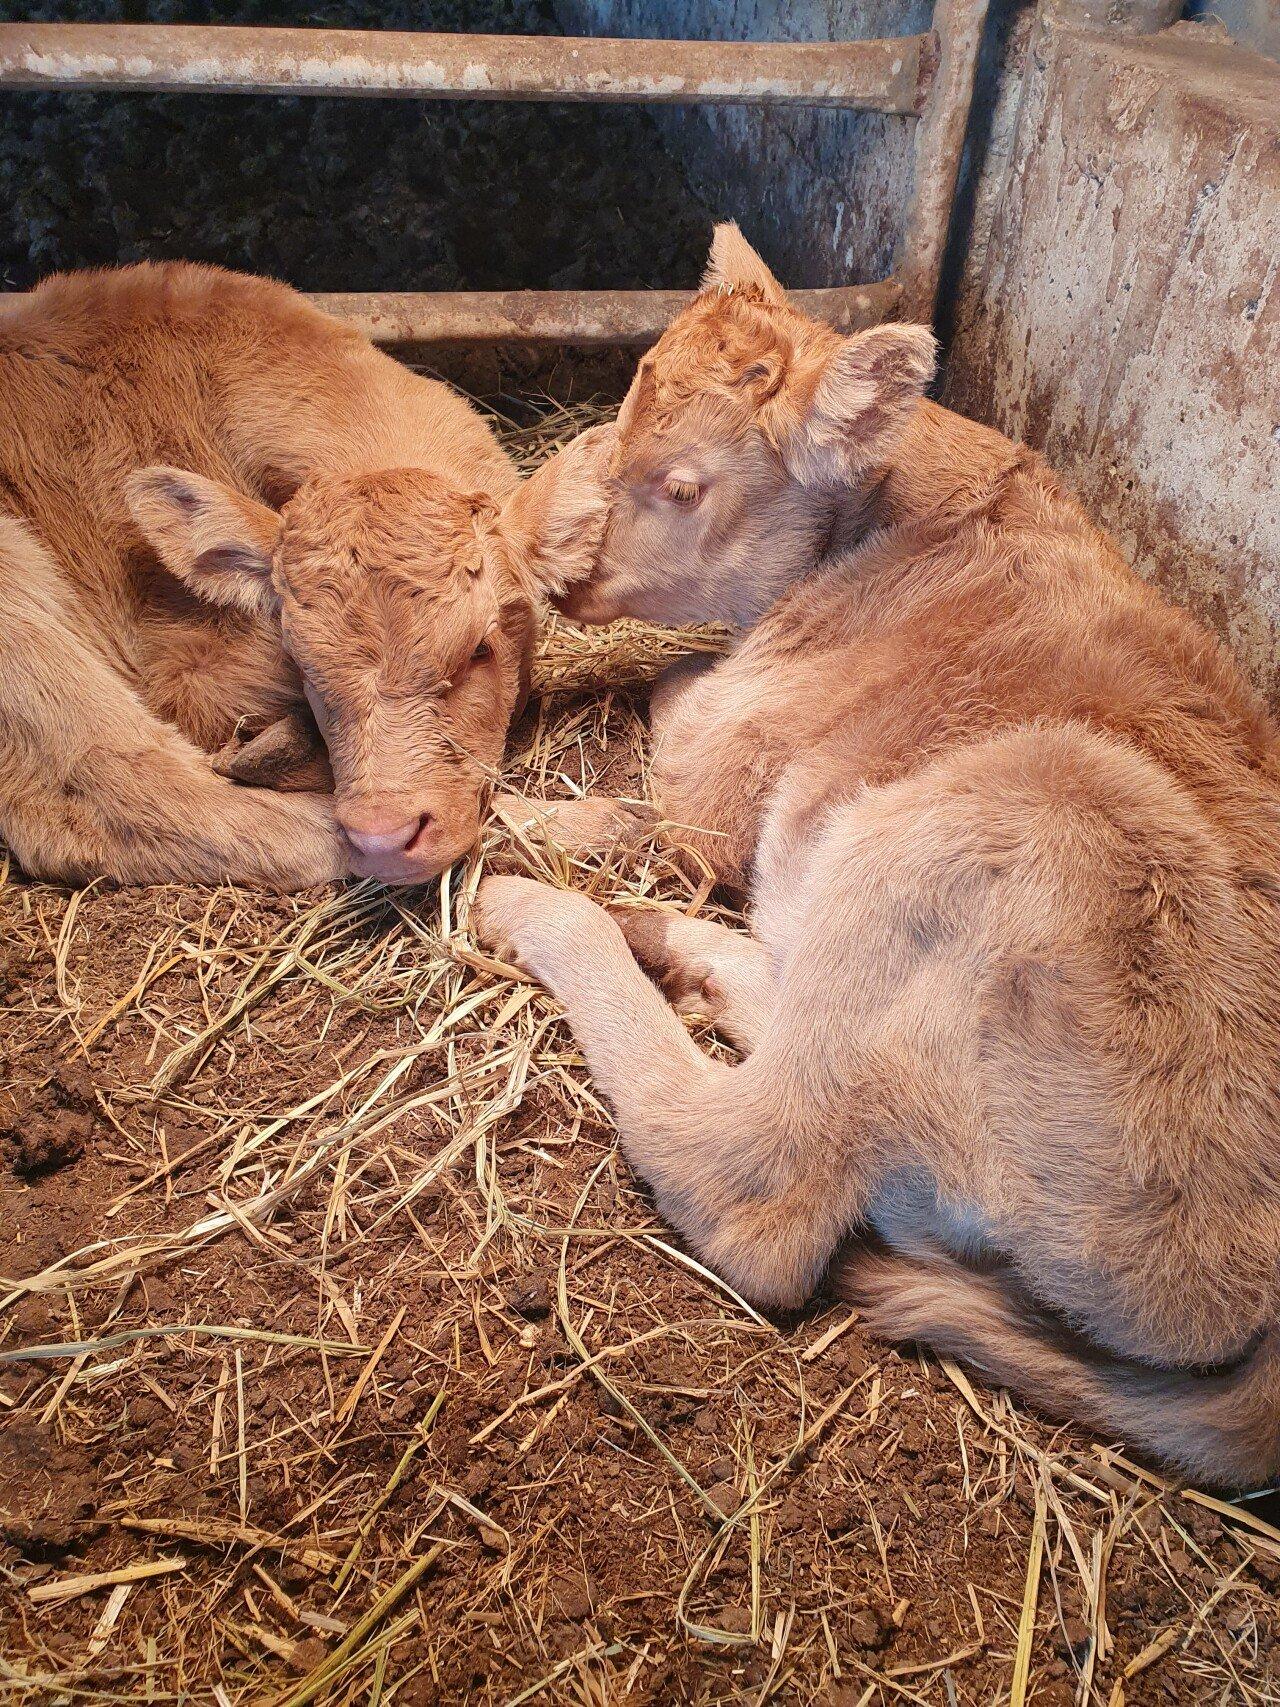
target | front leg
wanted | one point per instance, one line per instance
(595, 824)
(719, 1144)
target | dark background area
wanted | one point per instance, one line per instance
(342, 193)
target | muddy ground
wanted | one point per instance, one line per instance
(342, 194)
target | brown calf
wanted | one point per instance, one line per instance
(215, 501)
(1011, 1003)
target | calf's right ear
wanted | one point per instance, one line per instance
(214, 539)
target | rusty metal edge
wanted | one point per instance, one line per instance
(886, 75)
(631, 318)
(939, 145)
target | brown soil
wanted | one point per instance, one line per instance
(330, 1301)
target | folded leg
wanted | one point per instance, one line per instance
(704, 968)
(596, 824)
(93, 784)
(751, 1185)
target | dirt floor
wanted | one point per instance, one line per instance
(342, 1358)
(342, 194)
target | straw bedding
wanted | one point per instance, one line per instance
(343, 1359)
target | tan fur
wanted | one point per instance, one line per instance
(214, 500)
(1011, 826)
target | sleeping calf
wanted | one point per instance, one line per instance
(1011, 828)
(216, 505)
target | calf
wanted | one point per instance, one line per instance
(1011, 828)
(215, 504)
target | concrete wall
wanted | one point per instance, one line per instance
(1120, 308)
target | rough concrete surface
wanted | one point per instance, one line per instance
(1125, 318)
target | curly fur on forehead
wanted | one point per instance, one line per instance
(387, 573)
(412, 531)
(758, 358)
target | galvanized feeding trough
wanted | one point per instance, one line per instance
(928, 77)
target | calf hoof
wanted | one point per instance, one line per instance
(287, 755)
(687, 981)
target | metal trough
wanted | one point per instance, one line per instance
(928, 77)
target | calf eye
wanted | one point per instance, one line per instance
(684, 492)
(482, 651)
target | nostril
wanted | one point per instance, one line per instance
(379, 836)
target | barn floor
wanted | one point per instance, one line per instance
(344, 1359)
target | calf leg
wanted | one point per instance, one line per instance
(864, 1055)
(596, 824)
(210, 677)
(704, 968)
(741, 1167)
(92, 784)
(602, 825)
(287, 754)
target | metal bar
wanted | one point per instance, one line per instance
(890, 76)
(591, 317)
(939, 142)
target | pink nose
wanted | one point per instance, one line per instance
(371, 835)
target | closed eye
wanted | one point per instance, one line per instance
(482, 651)
(683, 492)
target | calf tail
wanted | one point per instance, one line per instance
(92, 784)
(1222, 1428)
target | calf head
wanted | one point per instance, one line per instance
(408, 607)
(743, 432)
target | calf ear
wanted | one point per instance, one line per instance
(856, 406)
(734, 265)
(553, 525)
(217, 541)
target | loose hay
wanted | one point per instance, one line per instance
(342, 1357)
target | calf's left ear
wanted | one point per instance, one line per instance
(553, 525)
(854, 408)
(734, 265)
(217, 541)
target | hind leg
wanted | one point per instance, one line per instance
(943, 1009)
(866, 1064)
(704, 968)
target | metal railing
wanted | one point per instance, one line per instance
(926, 77)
